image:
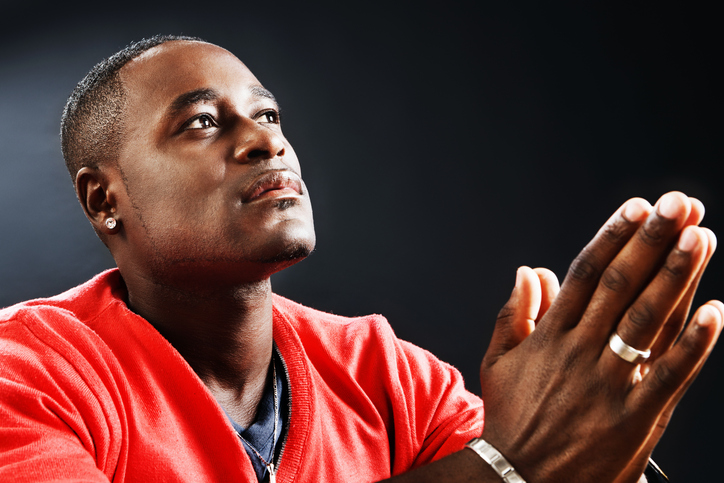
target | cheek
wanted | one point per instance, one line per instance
(169, 211)
(179, 183)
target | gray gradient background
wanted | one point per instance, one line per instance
(444, 144)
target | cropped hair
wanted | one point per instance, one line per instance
(91, 127)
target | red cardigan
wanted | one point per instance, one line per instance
(90, 391)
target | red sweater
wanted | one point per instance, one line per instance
(90, 391)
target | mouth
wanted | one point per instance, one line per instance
(274, 184)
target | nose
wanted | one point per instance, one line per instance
(257, 142)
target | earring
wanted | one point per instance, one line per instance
(111, 223)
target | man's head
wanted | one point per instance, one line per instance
(191, 162)
(91, 127)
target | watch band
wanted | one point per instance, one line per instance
(496, 460)
(506, 471)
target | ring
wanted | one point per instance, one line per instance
(626, 352)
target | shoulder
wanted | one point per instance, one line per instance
(349, 332)
(366, 340)
(84, 301)
(55, 331)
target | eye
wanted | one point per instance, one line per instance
(271, 117)
(204, 121)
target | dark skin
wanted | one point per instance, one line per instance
(195, 254)
(559, 404)
(196, 247)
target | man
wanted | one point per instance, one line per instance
(183, 366)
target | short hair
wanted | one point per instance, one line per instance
(91, 126)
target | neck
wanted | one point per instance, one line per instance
(224, 335)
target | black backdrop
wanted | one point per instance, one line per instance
(444, 144)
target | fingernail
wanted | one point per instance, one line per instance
(518, 277)
(712, 239)
(700, 206)
(670, 206)
(707, 315)
(635, 211)
(688, 239)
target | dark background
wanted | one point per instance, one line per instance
(444, 145)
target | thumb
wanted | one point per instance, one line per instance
(516, 320)
(549, 290)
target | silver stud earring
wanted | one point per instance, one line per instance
(111, 223)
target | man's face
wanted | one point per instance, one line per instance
(212, 187)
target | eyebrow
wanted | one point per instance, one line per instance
(196, 96)
(190, 98)
(259, 91)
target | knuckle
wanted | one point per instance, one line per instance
(597, 385)
(506, 312)
(665, 377)
(662, 423)
(583, 269)
(641, 316)
(542, 337)
(691, 346)
(571, 354)
(675, 267)
(570, 359)
(652, 234)
(615, 280)
(617, 232)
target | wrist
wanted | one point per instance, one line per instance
(495, 459)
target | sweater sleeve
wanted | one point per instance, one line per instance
(442, 414)
(421, 401)
(54, 421)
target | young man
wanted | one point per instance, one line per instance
(181, 365)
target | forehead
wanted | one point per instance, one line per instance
(161, 74)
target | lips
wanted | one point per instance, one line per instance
(274, 183)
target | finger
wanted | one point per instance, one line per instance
(643, 320)
(674, 371)
(673, 326)
(663, 420)
(549, 290)
(634, 472)
(665, 417)
(516, 319)
(633, 267)
(584, 272)
(697, 212)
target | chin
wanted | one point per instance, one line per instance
(291, 253)
(289, 246)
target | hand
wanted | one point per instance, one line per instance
(534, 292)
(560, 405)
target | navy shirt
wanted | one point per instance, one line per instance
(259, 433)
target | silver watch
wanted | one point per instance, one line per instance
(493, 457)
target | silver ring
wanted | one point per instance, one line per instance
(626, 352)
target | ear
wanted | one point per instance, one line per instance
(98, 200)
